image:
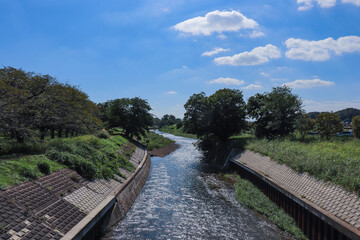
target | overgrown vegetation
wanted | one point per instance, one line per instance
(336, 160)
(17, 170)
(152, 140)
(173, 129)
(90, 156)
(253, 198)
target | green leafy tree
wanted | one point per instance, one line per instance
(328, 124)
(218, 116)
(304, 125)
(356, 126)
(275, 112)
(133, 115)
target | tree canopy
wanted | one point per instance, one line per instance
(220, 115)
(275, 112)
(131, 114)
(327, 124)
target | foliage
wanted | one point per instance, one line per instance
(304, 125)
(218, 116)
(328, 124)
(252, 197)
(132, 115)
(90, 156)
(153, 140)
(34, 103)
(103, 134)
(17, 170)
(346, 115)
(11, 146)
(275, 112)
(178, 131)
(356, 126)
(336, 160)
(168, 120)
(44, 167)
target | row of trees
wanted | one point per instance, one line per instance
(34, 104)
(276, 114)
(167, 120)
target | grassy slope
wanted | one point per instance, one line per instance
(153, 140)
(177, 131)
(336, 160)
(253, 198)
(91, 156)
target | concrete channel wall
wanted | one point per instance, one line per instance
(64, 205)
(314, 221)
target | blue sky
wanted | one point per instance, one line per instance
(166, 50)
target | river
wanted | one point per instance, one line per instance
(183, 199)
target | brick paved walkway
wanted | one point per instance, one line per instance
(333, 199)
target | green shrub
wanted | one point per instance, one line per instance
(28, 172)
(43, 167)
(356, 126)
(64, 158)
(103, 135)
(85, 168)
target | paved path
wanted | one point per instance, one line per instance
(333, 199)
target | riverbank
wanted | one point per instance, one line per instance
(66, 205)
(173, 129)
(164, 151)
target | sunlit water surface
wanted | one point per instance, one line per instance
(183, 200)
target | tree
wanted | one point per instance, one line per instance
(356, 126)
(133, 115)
(275, 112)
(328, 124)
(218, 116)
(304, 124)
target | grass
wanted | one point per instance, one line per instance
(336, 160)
(252, 197)
(153, 140)
(92, 157)
(15, 171)
(177, 131)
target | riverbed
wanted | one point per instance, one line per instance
(184, 199)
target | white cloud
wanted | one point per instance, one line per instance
(171, 92)
(216, 21)
(256, 34)
(308, 83)
(227, 81)
(252, 87)
(355, 2)
(256, 56)
(221, 36)
(264, 74)
(308, 4)
(215, 51)
(321, 50)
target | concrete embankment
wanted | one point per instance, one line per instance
(322, 210)
(64, 205)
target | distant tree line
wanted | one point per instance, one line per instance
(346, 115)
(35, 104)
(167, 120)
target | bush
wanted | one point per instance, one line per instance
(103, 135)
(356, 126)
(64, 158)
(327, 124)
(43, 167)
(28, 172)
(85, 168)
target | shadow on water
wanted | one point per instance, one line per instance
(184, 199)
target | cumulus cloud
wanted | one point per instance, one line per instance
(215, 51)
(171, 92)
(308, 83)
(355, 2)
(256, 56)
(216, 21)
(221, 36)
(264, 74)
(252, 87)
(321, 50)
(328, 106)
(256, 34)
(227, 81)
(308, 4)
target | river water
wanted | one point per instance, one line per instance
(182, 199)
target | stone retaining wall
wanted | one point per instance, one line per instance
(64, 205)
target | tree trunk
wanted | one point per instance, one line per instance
(20, 138)
(60, 132)
(42, 133)
(52, 133)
